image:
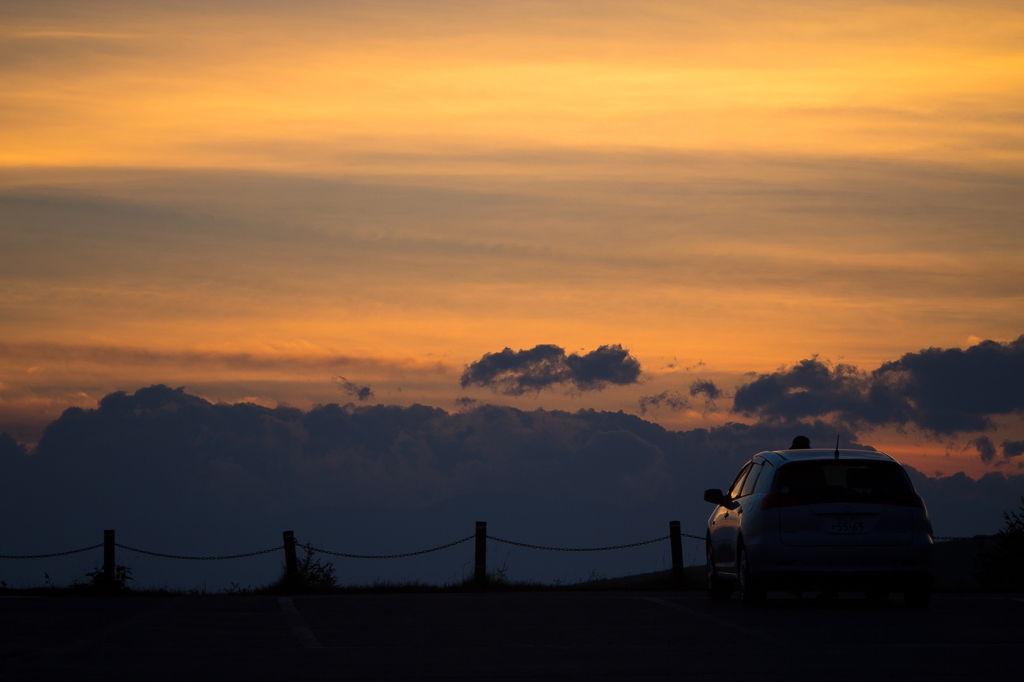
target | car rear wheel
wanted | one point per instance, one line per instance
(717, 588)
(752, 593)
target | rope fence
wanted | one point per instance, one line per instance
(47, 556)
(199, 558)
(481, 537)
(390, 556)
(578, 549)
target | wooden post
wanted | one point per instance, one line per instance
(676, 539)
(108, 559)
(480, 574)
(291, 572)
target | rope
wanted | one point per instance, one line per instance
(47, 556)
(388, 556)
(378, 556)
(199, 558)
(579, 549)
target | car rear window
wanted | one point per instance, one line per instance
(843, 481)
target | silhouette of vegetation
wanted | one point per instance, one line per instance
(312, 574)
(97, 579)
(313, 577)
(317, 577)
(1002, 568)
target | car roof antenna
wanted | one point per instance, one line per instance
(836, 453)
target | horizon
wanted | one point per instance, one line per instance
(737, 217)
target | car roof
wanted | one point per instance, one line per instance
(815, 454)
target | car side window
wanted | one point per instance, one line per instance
(764, 481)
(751, 479)
(734, 489)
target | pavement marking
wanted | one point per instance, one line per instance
(720, 622)
(298, 626)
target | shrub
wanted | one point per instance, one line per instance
(313, 575)
(122, 576)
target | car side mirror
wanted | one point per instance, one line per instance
(714, 496)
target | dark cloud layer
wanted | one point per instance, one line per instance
(944, 391)
(547, 365)
(173, 472)
(10, 447)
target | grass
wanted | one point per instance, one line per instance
(659, 581)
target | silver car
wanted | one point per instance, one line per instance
(819, 520)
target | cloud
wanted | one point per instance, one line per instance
(705, 387)
(986, 450)
(943, 391)
(674, 400)
(25, 418)
(709, 390)
(10, 447)
(950, 390)
(547, 365)
(1012, 448)
(465, 401)
(359, 392)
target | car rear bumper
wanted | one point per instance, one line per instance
(893, 567)
(845, 580)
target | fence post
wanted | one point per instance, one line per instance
(108, 559)
(676, 539)
(480, 574)
(291, 564)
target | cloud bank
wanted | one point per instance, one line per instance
(173, 472)
(547, 365)
(9, 447)
(942, 391)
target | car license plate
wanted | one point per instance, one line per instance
(845, 524)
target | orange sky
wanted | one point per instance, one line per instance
(250, 198)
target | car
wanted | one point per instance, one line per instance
(819, 520)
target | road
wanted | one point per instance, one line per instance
(542, 636)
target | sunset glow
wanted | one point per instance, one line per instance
(253, 199)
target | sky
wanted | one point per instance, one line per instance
(701, 214)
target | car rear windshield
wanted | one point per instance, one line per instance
(843, 481)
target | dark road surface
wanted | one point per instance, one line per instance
(585, 636)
